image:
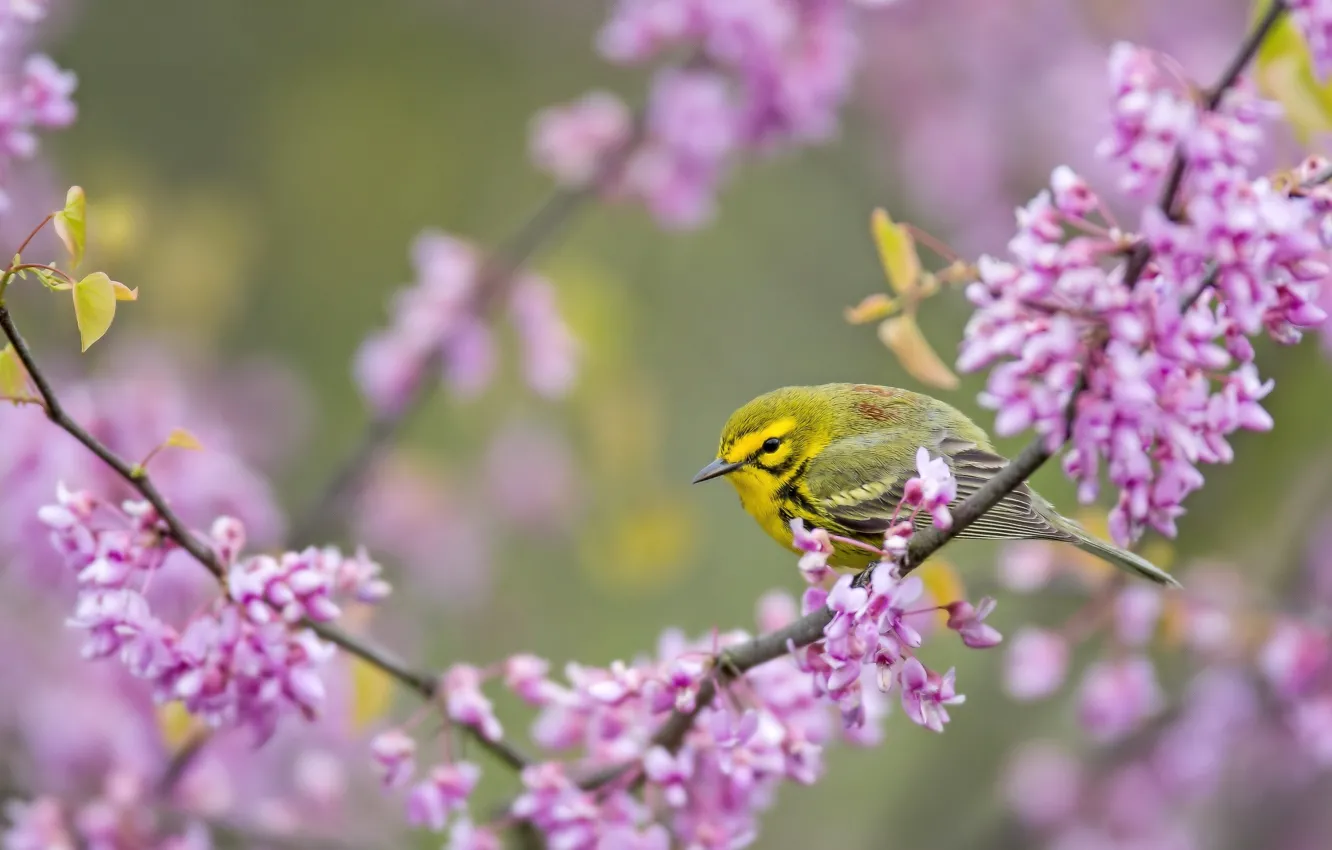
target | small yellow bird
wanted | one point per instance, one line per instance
(838, 455)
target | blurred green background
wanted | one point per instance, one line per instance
(258, 169)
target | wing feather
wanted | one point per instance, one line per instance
(864, 501)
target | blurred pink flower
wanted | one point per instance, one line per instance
(406, 512)
(434, 325)
(550, 351)
(1295, 657)
(1116, 696)
(1036, 664)
(1026, 566)
(35, 94)
(571, 141)
(1042, 783)
(1314, 19)
(1137, 612)
(758, 75)
(443, 792)
(531, 477)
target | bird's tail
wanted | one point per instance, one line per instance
(1121, 558)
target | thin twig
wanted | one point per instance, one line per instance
(425, 684)
(1247, 50)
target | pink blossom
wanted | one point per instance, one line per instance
(572, 141)
(1042, 783)
(550, 360)
(969, 623)
(394, 754)
(1312, 723)
(1116, 696)
(1314, 20)
(926, 695)
(670, 773)
(1152, 114)
(37, 825)
(1295, 657)
(37, 97)
(932, 489)
(466, 836)
(525, 675)
(1169, 376)
(817, 548)
(1026, 566)
(1137, 611)
(442, 793)
(1036, 664)
(771, 74)
(466, 704)
(434, 324)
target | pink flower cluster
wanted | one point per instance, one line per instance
(239, 661)
(1116, 695)
(120, 816)
(707, 791)
(130, 408)
(760, 74)
(1262, 712)
(1144, 800)
(438, 323)
(34, 93)
(872, 628)
(1162, 345)
(1314, 20)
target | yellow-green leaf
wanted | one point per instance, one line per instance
(177, 725)
(897, 252)
(123, 292)
(875, 308)
(903, 337)
(70, 224)
(94, 307)
(1284, 72)
(13, 377)
(181, 439)
(371, 693)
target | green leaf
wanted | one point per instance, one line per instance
(904, 338)
(51, 281)
(182, 439)
(13, 377)
(1284, 72)
(70, 224)
(372, 693)
(897, 252)
(94, 307)
(874, 308)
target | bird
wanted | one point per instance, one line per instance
(837, 457)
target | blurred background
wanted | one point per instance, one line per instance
(259, 171)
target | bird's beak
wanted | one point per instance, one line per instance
(716, 469)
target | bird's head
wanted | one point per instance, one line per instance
(766, 441)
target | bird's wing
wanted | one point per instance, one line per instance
(860, 489)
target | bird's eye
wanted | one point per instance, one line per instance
(771, 445)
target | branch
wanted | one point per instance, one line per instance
(1247, 50)
(425, 684)
(493, 284)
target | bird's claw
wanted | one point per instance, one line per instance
(863, 577)
(727, 667)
